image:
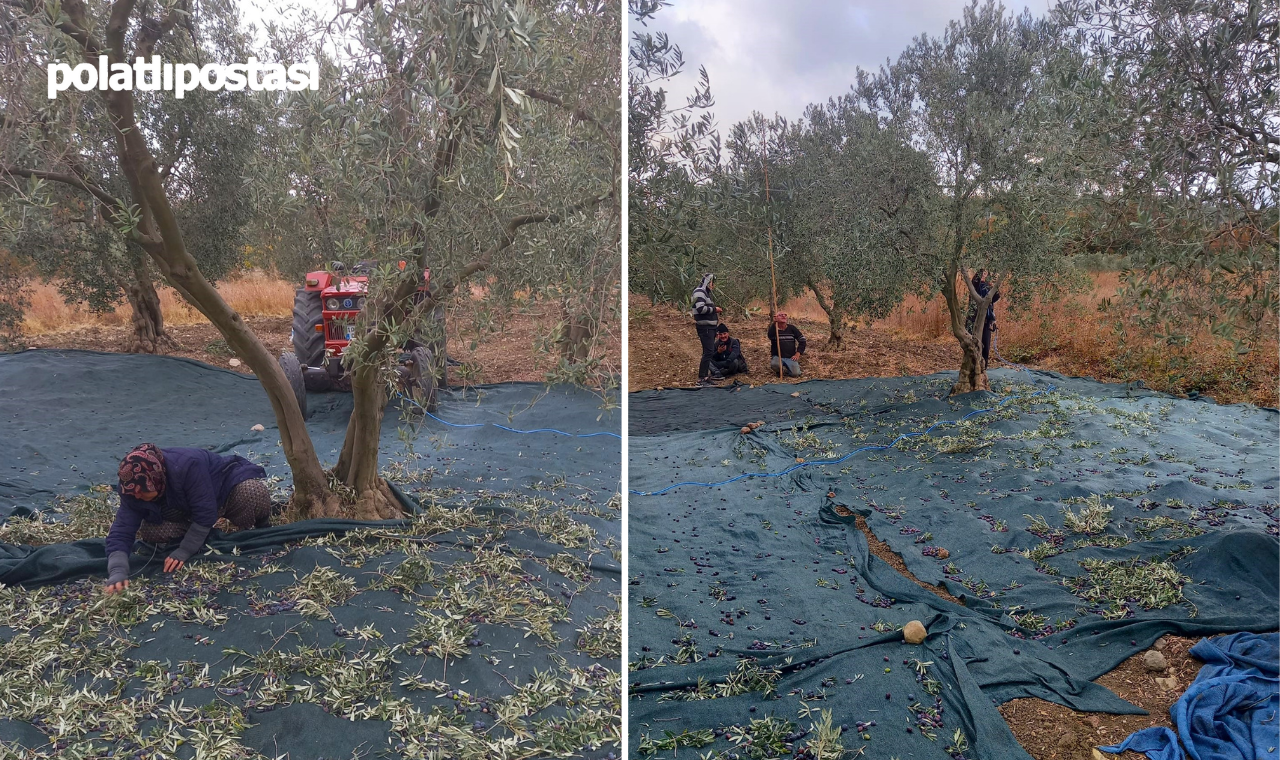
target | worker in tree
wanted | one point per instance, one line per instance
(786, 344)
(983, 287)
(172, 494)
(706, 315)
(728, 359)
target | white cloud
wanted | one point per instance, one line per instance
(776, 57)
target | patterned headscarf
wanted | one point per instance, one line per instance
(142, 470)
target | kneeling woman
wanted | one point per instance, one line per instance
(172, 494)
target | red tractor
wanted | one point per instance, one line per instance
(324, 317)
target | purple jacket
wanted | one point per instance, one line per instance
(197, 482)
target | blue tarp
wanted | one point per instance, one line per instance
(1231, 710)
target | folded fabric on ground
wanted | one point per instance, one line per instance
(1230, 712)
(1076, 525)
(486, 623)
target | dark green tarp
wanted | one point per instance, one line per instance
(773, 569)
(69, 416)
(485, 623)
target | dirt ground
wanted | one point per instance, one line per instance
(664, 351)
(916, 339)
(1052, 732)
(508, 356)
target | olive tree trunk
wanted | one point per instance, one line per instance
(576, 334)
(835, 316)
(149, 334)
(357, 466)
(973, 370)
(158, 233)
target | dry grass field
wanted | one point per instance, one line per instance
(253, 295)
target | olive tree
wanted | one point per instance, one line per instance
(474, 140)
(69, 205)
(134, 195)
(749, 234)
(972, 100)
(418, 135)
(1174, 111)
(855, 206)
(674, 153)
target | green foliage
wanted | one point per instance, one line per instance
(71, 519)
(1151, 584)
(476, 140)
(1092, 519)
(1172, 106)
(673, 151)
(974, 100)
(857, 196)
(202, 143)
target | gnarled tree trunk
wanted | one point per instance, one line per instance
(835, 317)
(357, 467)
(149, 335)
(575, 337)
(158, 233)
(973, 370)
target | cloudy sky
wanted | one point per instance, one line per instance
(777, 57)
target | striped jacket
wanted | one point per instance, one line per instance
(704, 309)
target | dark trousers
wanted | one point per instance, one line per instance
(707, 336)
(986, 343)
(735, 367)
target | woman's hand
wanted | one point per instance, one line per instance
(115, 588)
(171, 564)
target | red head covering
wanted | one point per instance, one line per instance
(142, 470)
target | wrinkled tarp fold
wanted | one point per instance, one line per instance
(775, 570)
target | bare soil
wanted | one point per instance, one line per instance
(1052, 732)
(916, 340)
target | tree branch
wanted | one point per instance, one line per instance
(509, 230)
(153, 30)
(76, 27)
(578, 113)
(118, 26)
(66, 179)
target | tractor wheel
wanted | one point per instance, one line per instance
(293, 371)
(422, 379)
(308, 343)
